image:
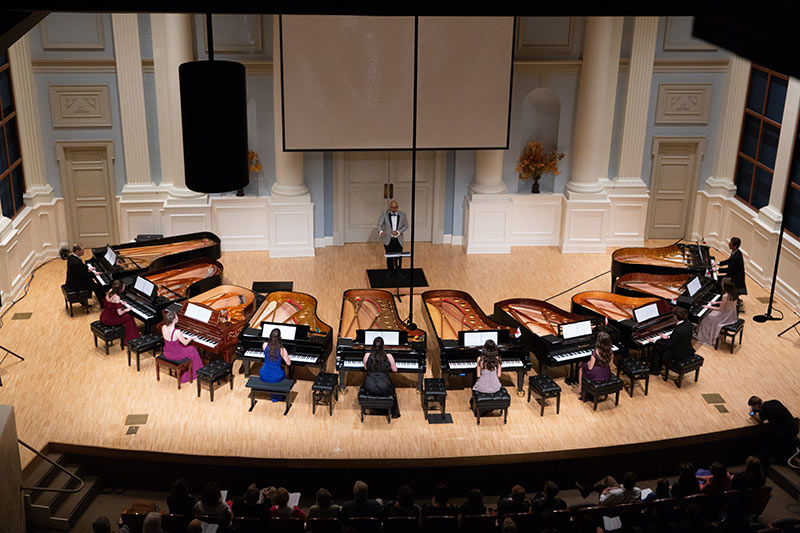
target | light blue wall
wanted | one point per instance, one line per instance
(463, 175)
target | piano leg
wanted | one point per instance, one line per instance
(420, 375)
(520, 382)
(342, 380)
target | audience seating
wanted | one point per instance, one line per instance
(440, 524)
(664, 510)
(544, 387)
(754, 501)
(482, 401)
(635, 370)
(145, 343)
(703, 501)
(214, 372)
(561, 519)
(108, 333)
(592, 513)
(221, 521)
(324, 525)
(375, 402)
(630, 514)
(364, 524)
(728, 334)
(683, 365)
(73, 297)
(400, 524)
(597, 389)
(175, 523)
(285, 525)
(179, 367)
(525, 522)
(478, 523)
(786, 525)
(133, 520)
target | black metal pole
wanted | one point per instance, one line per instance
(413, 177)
(768, 315)
(209, 37)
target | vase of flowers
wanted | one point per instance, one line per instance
(253, 164)
(535, 162)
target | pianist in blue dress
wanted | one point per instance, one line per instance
(378, 364)
(176, 345)
(598, 367)
(488, 369)
(274, 354)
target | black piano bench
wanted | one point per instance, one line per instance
(145, 343)
(75, 297)
(108, 333)
(597, 389)
(434, 392)
(682, 366)
(544, 387)
(485, 401)
(178, 367)
(728, 334)
(212, 373)
(635, 370)
(375, 402)
(281, 388)
(324, 390)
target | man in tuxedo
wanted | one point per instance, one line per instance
(80, 276)
(734, 265)
(675, 346)
(391, 226)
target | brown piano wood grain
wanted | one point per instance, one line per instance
(611, 305)
(287, 307)
(660, 285)
(141, 257)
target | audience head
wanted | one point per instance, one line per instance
(195, 526)
(117, 287)
(360, 490)
(405, 496)
(251, 496)
(475, 498)
(180, 487)
(662, 488)
(629, 480)
(281, 497)
(152, 523)
(752, 469)
(718, 472)
(268, 493)
(735, 243)
(551, 490)
(518, 493)
(101, 525)
(604, 348)
(755, 403)
(324, 498)
(680, 312)
(211, 494)
(441, 494)
(686, 475)
(509, 526)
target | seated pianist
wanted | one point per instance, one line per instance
(274, 354)
(675, 346)
(733, 266)
(80, 276)
(378, 364)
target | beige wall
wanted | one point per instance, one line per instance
(11, 507)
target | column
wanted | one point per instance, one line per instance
(628, 192)
(488, 207)
(586, 205)
(290, 209)
(488, 173)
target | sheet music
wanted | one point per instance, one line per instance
(288, 333)
(576, 329)
(110, 256)
(479, 338)
(390, 338)
(694, 286)
(197, 312)
(646, 312)
(144, 286)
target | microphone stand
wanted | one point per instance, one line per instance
(768, 315)
(4, 358)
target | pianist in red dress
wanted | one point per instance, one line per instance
(115, 313)
(598, 367)
(176, 346)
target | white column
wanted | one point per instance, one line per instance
(172, 46)
(130, 85)
(488, 207)
(30, 137)
(488, 173)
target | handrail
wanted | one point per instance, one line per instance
(48, 489)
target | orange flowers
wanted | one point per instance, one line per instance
(253, 161)
(534, 161)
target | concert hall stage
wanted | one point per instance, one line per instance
(69, 392)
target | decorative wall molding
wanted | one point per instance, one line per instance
(566, 46)
(488, 228)
(585, 225)
(536, 219)
(682, 103)
(76, 66)
(549, 67)
(692, 45)
(80, 106)
(98, 44)
(704, 66)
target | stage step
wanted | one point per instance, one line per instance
(786, 478)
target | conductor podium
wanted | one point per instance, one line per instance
(382, 279)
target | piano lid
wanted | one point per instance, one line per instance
(538, 317)
(667, 286)
(285, 307)
(174, 281)
(230, 303)
(452, 311)
(607, 304)
(674, 259)
(140, 255)
(372, 309)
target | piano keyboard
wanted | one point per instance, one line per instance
(139, 310)
(565, 357)
(102, 278)
(470, 364)
(205, 341)
(704, 310)
(293, 357)
(359, 364)
(653, 337)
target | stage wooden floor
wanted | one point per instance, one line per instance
(68, 391)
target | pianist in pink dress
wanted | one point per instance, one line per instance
(488, 369)
(720, 314)
(598, 367)
(116, 313)
(176, 345)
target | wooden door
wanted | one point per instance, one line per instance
(673, 186)
(87, 183)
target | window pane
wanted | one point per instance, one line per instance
(750, 135)
(792, 211)
(761, 188)
(794, 170)
(744, 176)
(19, 187)
(5, 92)
(3, 59)
(776, 99)
(13, 141)
(758, 89)
(3, 155)
(5, 198)
(766, 155)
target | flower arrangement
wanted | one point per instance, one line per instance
(535, 162)
(253, 161)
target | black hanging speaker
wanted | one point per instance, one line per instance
(214, 117)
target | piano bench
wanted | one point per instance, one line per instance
(145, 343)
(179, 367)
(280, 388)
(544, 387)
(212, 373)
(596, 389)
(324, 390)
(728, 334)
(634, 370)
(484, 401)
(376, 402)
(74, 297)
(683, 365)
(108, 333)
(434, 392)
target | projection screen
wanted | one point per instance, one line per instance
(348, 82)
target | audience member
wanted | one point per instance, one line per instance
(249, 505)
(195, 526)
(211, 504)
(687, 483)
(439, 505)
(611, 493)
(513, 503)
(101, 525)
(404, 504)
(548, 499)
(179, 500)
(473, 505)
(152, 523)
(717, 482)
(360, 505)
(694, 521)
(780, 445)
(509, 526)
(662, 491)
(751, 478)
(280, 506)
(324, 508)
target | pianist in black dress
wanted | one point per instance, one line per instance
(733, 266)
(675, 346)
(80, 276)
(598, 367)
(378, 364)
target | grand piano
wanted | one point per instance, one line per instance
(150, 294)
(547, 333)
(134, 258)
(214, 319)
(687, 290)
(678, 258)
(307, 339)
(461, 328)
(367, 313)
(639, 321)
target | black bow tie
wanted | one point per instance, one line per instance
(393, 214)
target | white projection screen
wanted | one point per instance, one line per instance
(348, 82)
